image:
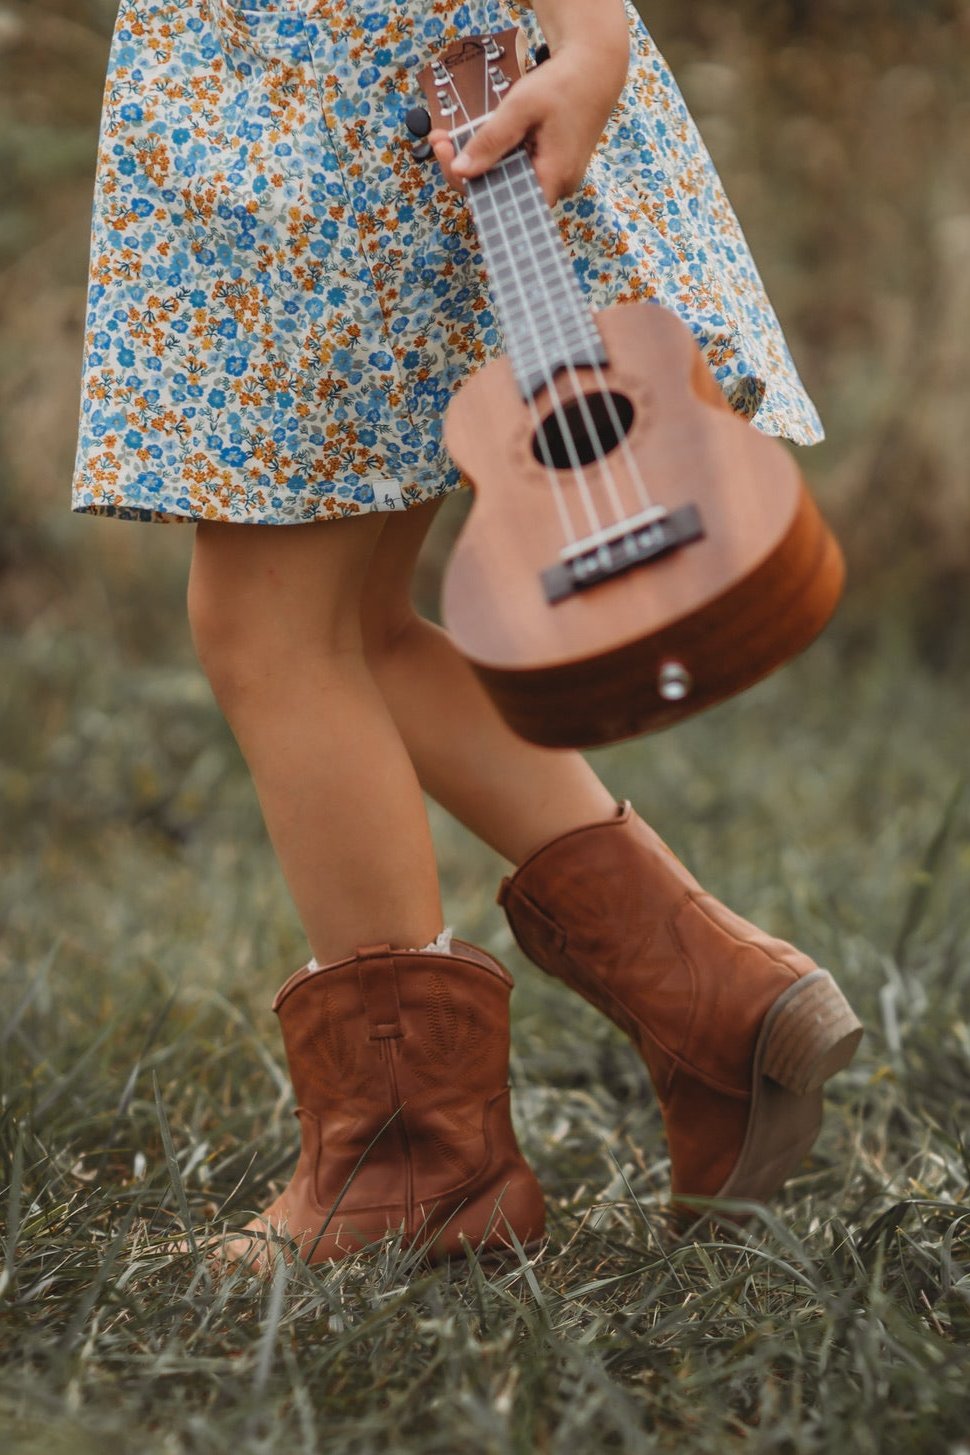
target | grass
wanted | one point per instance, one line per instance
(144, 929)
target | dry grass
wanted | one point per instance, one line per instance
(144, 929)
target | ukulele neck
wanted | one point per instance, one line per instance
(545, 318)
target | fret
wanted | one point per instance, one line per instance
(549, 334)
(544, 314)
(547, 327)
(501, 231)
(546, 309)
(525, 174)
(516, 287)
(543, 264)
(504, 237)
(532, 355)
(551, 325)
(509, 267)
(516, 239)
(549, 331)
(539, 227)
(543, 267)
(536, 349)
(506, 221)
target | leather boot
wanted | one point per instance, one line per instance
(739, 1031)
(399, 1061)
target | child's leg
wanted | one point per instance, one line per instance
(606, 907)
(276, 618)
(510, 793)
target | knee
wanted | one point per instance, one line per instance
(253, 640)
(269, 611)
(222, 632)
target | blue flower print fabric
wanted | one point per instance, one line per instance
(283, 300)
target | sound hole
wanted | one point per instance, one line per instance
(591, 432)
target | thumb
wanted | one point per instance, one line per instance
(504, 129)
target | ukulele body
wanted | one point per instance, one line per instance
(664, 639)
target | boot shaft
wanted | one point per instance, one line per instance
(611, 910)
(738, 1030)
(399, 1062)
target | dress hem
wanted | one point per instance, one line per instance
(388, 498)
(391, 498)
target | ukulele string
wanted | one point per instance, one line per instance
(564, 428)
(544, 215)
(549, 374)
(592, 432)
(580, 397)
(544, 219)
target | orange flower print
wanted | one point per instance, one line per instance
(283, 301)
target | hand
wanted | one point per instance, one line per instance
(559, 109)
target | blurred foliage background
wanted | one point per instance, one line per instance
(842, 129)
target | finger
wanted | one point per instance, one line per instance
(441, 141)
(551, 189)
(441, 144)
(505, 129)
(557, 182)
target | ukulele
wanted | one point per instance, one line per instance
(636, 551)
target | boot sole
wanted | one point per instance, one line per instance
(810, 1033)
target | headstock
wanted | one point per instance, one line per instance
(468, 79)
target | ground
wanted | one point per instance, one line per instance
(145, 929)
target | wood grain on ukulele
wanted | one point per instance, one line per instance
(636, 552)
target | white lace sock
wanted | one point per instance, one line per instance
(440, 946)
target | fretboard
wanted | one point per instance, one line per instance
(545, 318)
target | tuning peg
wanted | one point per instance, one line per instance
(422, 150)
(542, 53)
(418, 122)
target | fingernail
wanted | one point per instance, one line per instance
(461, 164)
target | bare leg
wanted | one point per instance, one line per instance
(276, 618)
(510, 793)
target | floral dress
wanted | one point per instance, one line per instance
(283, 300)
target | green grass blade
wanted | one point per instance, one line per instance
(174, 1171)
(926, 878)
(8, 1276)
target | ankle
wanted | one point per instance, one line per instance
(596, 810)
(440, 945)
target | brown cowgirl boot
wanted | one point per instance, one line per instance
(399, 1061)
(739, 1031)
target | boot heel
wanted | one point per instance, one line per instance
(812, 1033)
